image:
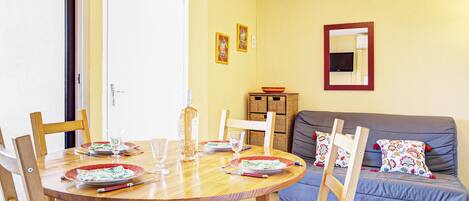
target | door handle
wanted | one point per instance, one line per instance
(113, 93)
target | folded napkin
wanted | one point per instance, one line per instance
(104, 174)
(262, 164)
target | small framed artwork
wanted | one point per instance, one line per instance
(222, 48)
(242, 38)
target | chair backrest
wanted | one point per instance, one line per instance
(267, 126)
(356, 147)
(24, 164)
(40, 130)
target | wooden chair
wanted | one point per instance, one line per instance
(6, 179)
(356, 147)
(267, 126)
(40, 130)
(24, 164)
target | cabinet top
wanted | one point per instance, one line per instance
(272, 94)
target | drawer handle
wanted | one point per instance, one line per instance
(276, 98)
(257, 98)
(265, 116)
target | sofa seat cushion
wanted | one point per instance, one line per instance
(391, 186)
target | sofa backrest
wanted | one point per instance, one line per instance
(438, 132)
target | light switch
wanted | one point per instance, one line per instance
(253, 41)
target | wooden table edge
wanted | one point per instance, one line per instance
(228, 197)
(256, 193)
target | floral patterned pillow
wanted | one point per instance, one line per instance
(405, 156)
(322, 147)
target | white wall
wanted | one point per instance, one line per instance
(31, 66)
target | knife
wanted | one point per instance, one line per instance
(121, 186)
(247, 174)
(82, 151)
(246, 148)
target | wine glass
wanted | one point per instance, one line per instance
(236, 142)
(159, 148)
(116, 143)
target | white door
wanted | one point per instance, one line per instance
(146, 67)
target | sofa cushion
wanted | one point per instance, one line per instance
(323, 142)
(406, 156)
(438, 132)
(382, 186)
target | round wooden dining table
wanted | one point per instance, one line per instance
(203, 179)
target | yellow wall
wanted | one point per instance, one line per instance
(344, 43)
(95, 68)
(198, 60)
(421, 57)
(218, 86)
(228, 85)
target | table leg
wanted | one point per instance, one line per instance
(263, 198)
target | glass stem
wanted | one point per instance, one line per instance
(159, 165)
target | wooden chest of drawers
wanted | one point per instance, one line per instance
(285, 105)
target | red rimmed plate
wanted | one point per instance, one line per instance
(252, 169)
(209, 148)
(72, 174)
(273, 89)
(128, 146)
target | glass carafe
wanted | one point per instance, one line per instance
(189, 131)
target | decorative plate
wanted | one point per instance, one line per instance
(262, 164)
(111, 174)
(216, 145)
(273, 89)
(105, 151)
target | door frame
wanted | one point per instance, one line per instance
(105, 44)
(82, 60)
(70, 65)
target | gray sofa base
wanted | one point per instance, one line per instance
(382, 186)
(438, 132)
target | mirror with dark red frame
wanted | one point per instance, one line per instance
(349, 56)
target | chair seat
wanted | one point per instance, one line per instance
(382, 186)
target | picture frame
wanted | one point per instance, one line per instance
(242, 36)
(222, 48)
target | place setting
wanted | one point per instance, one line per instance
(115, 147)
(214, 146)
(106, 177)
(258, 166)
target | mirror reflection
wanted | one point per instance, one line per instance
(348, 52)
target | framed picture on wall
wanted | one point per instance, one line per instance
(242, 38)
(222, 48)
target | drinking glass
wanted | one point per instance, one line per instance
(159, 148)
(116, 143)
(236, 142)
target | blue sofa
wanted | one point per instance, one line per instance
(438, 132)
